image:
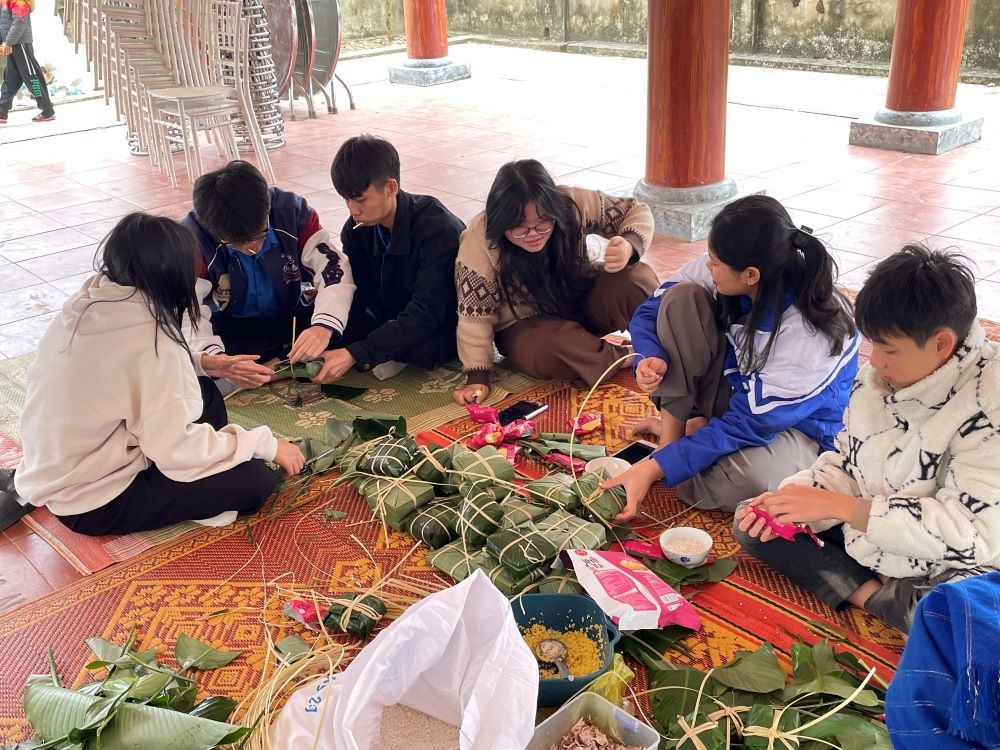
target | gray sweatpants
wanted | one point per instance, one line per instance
(694, 385)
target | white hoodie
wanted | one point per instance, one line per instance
(108, 395)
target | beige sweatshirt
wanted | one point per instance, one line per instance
(107, 397)
(483, 309)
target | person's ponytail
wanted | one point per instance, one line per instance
(817, 297)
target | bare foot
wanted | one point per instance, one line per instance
(648, 426)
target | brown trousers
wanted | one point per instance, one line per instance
(550, 348)
(694, 385)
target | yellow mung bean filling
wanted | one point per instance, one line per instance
(583, 655)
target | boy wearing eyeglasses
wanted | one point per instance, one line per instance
(402, 249)
(273, 284)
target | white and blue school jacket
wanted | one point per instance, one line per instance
(801, 386)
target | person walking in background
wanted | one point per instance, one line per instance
(22, 67)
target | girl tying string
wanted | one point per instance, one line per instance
(749, 354)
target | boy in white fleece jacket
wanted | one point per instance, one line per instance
(911, 496)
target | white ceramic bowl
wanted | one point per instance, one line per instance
(611, 464)
(686, 546)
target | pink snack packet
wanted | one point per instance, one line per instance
(576, 465)
(302, 611)
(519, 428)
(511, 452)
(632, 595)
(586, 423)
(489, 434)
(786, 530)
(482, 413)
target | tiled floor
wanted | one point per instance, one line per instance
(584, 117)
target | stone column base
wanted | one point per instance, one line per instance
(687, 213)
(916, 132)
(429, 72)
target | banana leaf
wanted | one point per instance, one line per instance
(454, 559)
(305, 370)
(313, 449)
(435, 524)
(516, 512)
(370, 425)
(479, 515)
(193, 654)
(560, 582)
(55, 712)
(583, 451)
(602, 504)
(390, 456)
(502, 577)
(523, 549)
(572, 532)
(393, 500)
(555, 490)
(432, 463)
(354, 616)
(487, 463)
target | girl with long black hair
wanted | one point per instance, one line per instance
(749, 354)
(119, 432)
(527, 283)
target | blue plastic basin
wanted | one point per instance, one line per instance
(564, 612)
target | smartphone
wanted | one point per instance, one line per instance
(635, 452)
(522, 410)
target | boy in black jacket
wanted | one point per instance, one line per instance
(402, 251)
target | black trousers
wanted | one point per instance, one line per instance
(428, 352)
(271, 338)
(22, 67)
(152, 500)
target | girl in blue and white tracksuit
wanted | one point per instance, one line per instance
(749, 353)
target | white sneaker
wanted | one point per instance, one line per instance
(388, 369)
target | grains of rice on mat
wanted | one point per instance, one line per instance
(583, 655)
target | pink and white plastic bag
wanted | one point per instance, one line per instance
(632, 595)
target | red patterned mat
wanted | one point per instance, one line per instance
(219, 585)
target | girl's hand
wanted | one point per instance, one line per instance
(796, 503)
(617, 254)
(289, 458)
(649, 372)
(636, 482)
(242, 369)
(471, 394)
(751, 524)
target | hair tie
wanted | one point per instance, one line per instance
(801, 237)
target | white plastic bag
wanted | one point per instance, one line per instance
(457, 656)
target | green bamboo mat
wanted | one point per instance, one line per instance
(296, 410)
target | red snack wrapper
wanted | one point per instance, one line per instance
(511, 452)
(576, 465)
(302, 611)
(519, 428)
(488, 434)
(786, 530)
(481, 414)
(587, 423)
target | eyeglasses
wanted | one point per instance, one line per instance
(251, 244)
(541, 228)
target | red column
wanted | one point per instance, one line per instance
(426, 23)
(926, 54)
(688, 56)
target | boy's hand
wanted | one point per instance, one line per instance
(310, 344)
(289, 458)
(636, 482)
(335, 363)
(751, 524)
(5, 49)
(649, 373)
(617, 254)
(471, 394)
(795, 503)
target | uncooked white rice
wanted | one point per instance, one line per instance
(406, 729)
(685, 547)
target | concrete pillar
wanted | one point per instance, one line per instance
(920, 114)
(427, 63)
(688, 57)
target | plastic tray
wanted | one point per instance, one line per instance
(604, 714)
